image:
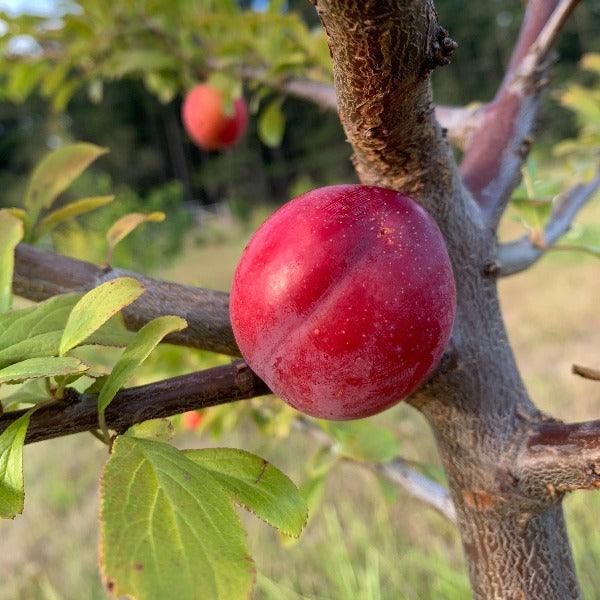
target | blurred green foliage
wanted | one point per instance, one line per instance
(146, 248)
(138, 58)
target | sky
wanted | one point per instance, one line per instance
(47, 6)
(31, 6)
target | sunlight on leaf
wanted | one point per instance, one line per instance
(50, 366)
(96, 307)
(271, 123)
(69, 211)
(145, 340)
(257, 485)
(125, 225)
(56, 172)
(11, 233)
(12, 494)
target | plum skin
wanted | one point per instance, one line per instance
(343, 300)
(204, 118)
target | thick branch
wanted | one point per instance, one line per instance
(519, 255)
(79, 412)
(382, 55)
(39, 275)
(560, 457)
(491, 167)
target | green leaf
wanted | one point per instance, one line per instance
(33, 391)
(64, 94)
(96, 307)
(257, 485)
(12, 494)
(32, 368)
(153, 429)
(230, 88)
(112, 333)
(145, 340)
(37, 330)
(135, 60)
(363, 440)
(69, 211)
(11, 233)
(46, 317)
(22, 79)
(45, 344)
(271, 123)
(125, 225)
(56, 172)
(168, 530)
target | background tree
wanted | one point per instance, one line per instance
(508, 465)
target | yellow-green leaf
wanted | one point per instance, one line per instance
(56, 172)
(11, 233)
(591, 62)
(160, 510)
(257, 485)
(48, 366)
(271, 124)
(125, 225)
(69, 211)
(145, 340)
(96, 307)
(12, 494)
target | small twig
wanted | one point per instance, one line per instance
(520, 254)
(398, 471)
(98, 435)
(418, 485)
(586, 372)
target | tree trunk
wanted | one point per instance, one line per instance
(514, 537)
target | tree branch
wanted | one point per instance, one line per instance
(458, 121)
(79, 412)
(491, 167)
(586, 372)
(39, 275)
(397, 472)
(520, 254)
(561, 457)
(418, 486)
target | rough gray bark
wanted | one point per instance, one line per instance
(514, 537)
